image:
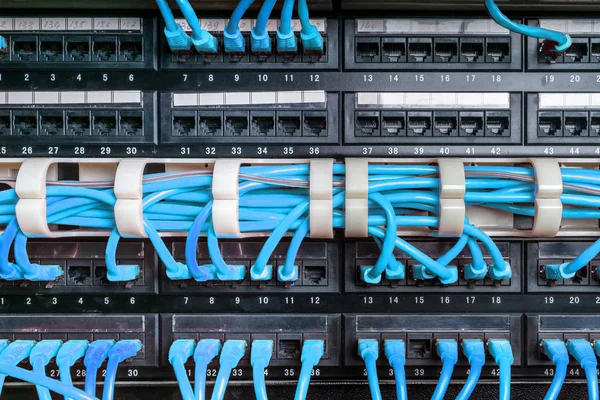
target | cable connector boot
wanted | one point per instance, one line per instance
(474, 350)
(265, 275)
(207, 43)
(178, 272)
(368, 347)
(3, 45)
(556, 350)
(501, 272)
(583, 352)
(395, 270)
(44, 352)
(287, 43)
(206, 351)
(234, 42)
(178, 40)
(447, 350)
(260, 43)
(14, 273)
(558, 271)
(16, 352)
(312, 352)
(124, 350)
(395, 352)
(476, 271)
(421, 273)
(501, 350)
(292, 277)
(261, 353)
(71, 352)
(312, 41)
(181, 351)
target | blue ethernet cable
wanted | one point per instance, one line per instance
(95, 356)
(478, 269)
(33, 272)
(447, 350)
(474, 350)
(68, 354)
(224, 271)
(232, 353)
(202, 40)
(260, 356)
(179, 353)
(557, 352)
(501, 350)
(583, 352)
(9, 271)
(233, 40)
(206, 351)
(562, 40)
(260, 41)
(286, 37)
(118, 272)
(312, 352)
(310, 35)
(569, 269)
(41, 355)
(3, 45)
(176, 37)
(368, 349)
(395, 351)
(121, 351)
(15, 353)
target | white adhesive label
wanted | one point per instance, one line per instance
(6, 24)
(79, 24)
(184, 24)
(54, 24)
(370, 26)
(213, 25)
(246, 25)
(27, 24)
(106, 24)
(130, 24)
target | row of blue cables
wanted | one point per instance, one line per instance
(231, 352)
(65, 355)
(234, 41)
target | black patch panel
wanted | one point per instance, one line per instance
(420, 332)
(287, 331)
(84, 266)
(396, 44)
(318, 268)
(365, 253)
(300, 60)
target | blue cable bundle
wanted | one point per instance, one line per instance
(557, 351)
(260, 41)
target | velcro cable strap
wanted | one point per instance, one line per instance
(226, 203)
(453, 187)
(548, 205)
(321, 199)
(129, 208)
(357, 197)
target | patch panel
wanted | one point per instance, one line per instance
(250, 117)
(302, 59)
(89, 327)
(288, 332)
(540, 254)
(318, 265)
(405, 117)
(365, 253)
(420, 332)
(430, 44)
(563, 118)
(584, 53)
(78, 42)
(86, 117)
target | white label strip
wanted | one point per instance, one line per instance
(218, 25)
(53, 24)
(572, 26)
(563, 101)
(72, 97)
(404, 100)
(249, 98)
(430, 26)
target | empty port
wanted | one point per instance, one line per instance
(367, 50)
(497, 123)
(393, 123)
(78, 123)
(446, 50)
(78, 49)
(315, 123)
(419, 124)
(419, 50)
(471, 124)
(314, 275)
(549, 124)
(393, 50)
(289, 124)
(578, 52)
(24, 48)
(262, 123)
(498, 50)
(419, 348)
(471, 50)
(184, 124)
(210, 123)
(367, 123)
(595, 50)
(289, 349)
(576, 124)
(79, 273)
(25, 123)
(5, 124)
(131, 49)
(131, 123)
(51, 49)
(105, 123)
(236, 124)
(101, 275)
(595, 124)
(52, 123)
(445, 123)
(105, 48)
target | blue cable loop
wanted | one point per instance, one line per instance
(557, 352)
(33, 272)
(95, 356)
(474, 350)
(569, 269)
(69, 353)
(368, 350)
(583, 352)
(395, 351)
(176, 37)
(120, 352)
(260, 356)
(478, 269)
(447, 350)
(501, 350)
(233, 41)
(206, 351)
(312, 352)
(179, 353)
(202, 40)
(260, 41)
(232, 353)
(41, 355)
(12, 355)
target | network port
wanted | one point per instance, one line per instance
(105, 48)
(393, 123)
(78, 48)
(367, 50)
(52, 123)
(419, 50)
(315, 123)
(497, 123)
(471, 50)
(367, 123)
(105, 123)
(236, 123)
(78, 123)
(51, 48)
(445, 123)
(184, 123)
(131, 49)
(131, 123)
(24, 48)
(210, 123)
(25, 123)
(419, 346)
(595, 124)
(393, 50)
(576, 124)
(262, 123)
(445, 50)
(471, 124)
(79, 272)
(419, 124)
(550, 124)
(289, 348)
(578, 52)
(5, 124)
(314, 275)
(498, 50)
(595, 51)
(289, 124)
